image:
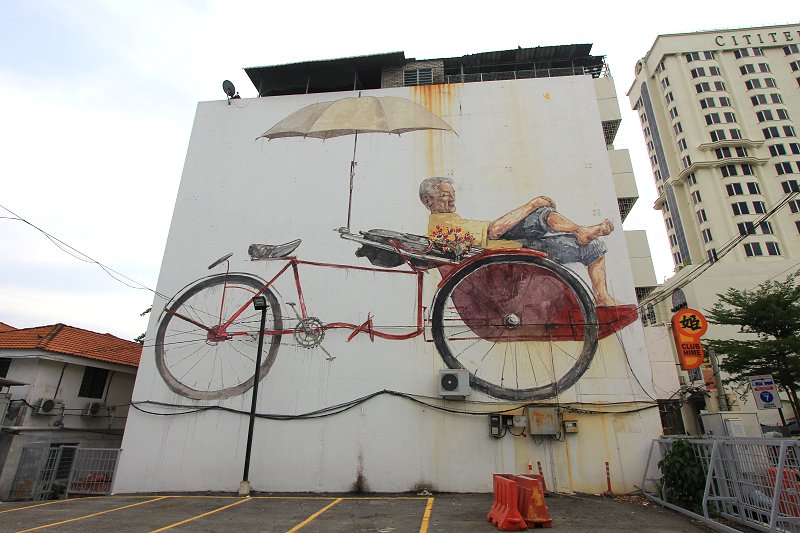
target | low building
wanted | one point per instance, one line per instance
(72, 390)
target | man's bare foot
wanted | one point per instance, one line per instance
(587, 233)
(606, 300)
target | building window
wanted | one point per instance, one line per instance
(677, 128)
(691, 179)
(752, 248)
(673, 240)
(717, 135)
(728, 170)
(764, 115)
(797, 225)
(794, 206)
(701, 216)
(758, 99)
(771, 132)
(777, 149)
(682, 144)
(795, 66)
(702, 87)
(746, 228)
(713, 118)
(735, 133)
(770, 82)
(673, 112)
(707, 235)
(766, 228)
(730, 117)
(698, 72)
(734, 189)
(665, 82)
(94, 382)
(747, 69)
(741, 151)
(747, 170)
(657, 176)
(795, 148)
(753, 188)
(707, 102)
(783, 168)
(763, 67)
(677, 258)
(752, 84)
(668, 223)
(719, 85)
(713, 71)
(782, 114)
(712, 255)
(759, 207)
(668, 97)
(696, 199)
(722, 153)
(692, 56)
(788, 186)
(724, 101)
(776, 98)
(418, 76)
(773, 248)
(788, 131)
(790, 49)
(740, 208)
(5, 363)
(647, 131)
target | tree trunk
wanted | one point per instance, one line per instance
(794, 402)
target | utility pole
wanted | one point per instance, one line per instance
(721, 396)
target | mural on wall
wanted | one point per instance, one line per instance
(506, 309)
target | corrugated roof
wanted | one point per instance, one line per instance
(68, 340)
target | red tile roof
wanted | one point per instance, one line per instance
(6, 327)
(63, 339)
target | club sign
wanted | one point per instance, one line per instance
(688, 325)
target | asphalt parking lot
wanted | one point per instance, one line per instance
(323, 513)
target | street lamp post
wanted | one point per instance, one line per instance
(260, 304)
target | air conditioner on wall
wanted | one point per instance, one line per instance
(94, 409)
(49, 406)
(454, 383)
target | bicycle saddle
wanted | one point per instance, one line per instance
(272, 251)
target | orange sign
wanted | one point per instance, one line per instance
(688, 325)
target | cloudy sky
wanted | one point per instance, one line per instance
(97, 100)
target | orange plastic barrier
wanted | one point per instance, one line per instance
(789, 501)
(504, 513)
(530, 501)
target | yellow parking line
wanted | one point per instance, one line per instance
(90, 515)
(423, 528)
(48, 503)
(176, 524)
(315, 515)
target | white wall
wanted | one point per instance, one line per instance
(515, 140)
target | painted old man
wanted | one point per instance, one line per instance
(535, 225)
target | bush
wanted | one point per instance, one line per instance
(683, 476)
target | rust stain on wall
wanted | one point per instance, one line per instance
(437, 99)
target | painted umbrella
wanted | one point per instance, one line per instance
(351, 116)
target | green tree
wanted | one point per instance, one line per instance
(771, 313)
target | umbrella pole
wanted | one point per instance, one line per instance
(352, 175)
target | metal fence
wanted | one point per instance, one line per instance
(525, 74)
(46, 473)
(751, 481)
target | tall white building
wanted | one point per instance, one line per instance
(718, 110)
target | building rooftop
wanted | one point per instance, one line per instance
(364, 72)
(68, 340)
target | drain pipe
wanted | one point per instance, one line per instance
(31, 428)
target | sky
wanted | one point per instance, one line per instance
(97, 100)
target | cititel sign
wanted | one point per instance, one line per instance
(688, 325)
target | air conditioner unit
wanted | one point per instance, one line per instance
(94, 409)
(454, 383)
(49, 406)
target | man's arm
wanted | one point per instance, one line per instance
(498, 227)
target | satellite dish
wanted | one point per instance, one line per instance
(229, 89)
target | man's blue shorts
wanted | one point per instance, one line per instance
(534, 233)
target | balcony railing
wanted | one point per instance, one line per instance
(595, 72)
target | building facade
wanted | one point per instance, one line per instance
(718, 111)
(393, 369)
(70, 389)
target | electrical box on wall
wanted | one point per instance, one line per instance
(496, 426)
(543, 421)
(570, 426)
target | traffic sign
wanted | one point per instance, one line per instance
(765, 392)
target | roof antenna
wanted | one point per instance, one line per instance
(230, 90)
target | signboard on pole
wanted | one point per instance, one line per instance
(765, 392)
(688, 325)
